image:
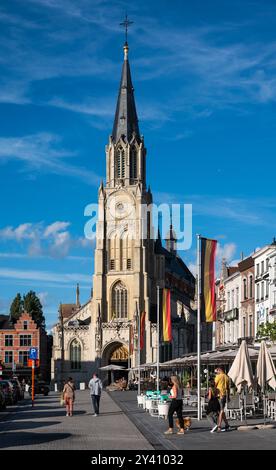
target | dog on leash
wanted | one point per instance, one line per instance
(187, 423)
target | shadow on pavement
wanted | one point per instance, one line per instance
(14, 425)
(33, 414)
(17, 439)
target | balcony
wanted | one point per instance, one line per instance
(229, 315)
(272, 311)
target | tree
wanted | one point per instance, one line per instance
(267, 331)
(16, 308)
(33, 306)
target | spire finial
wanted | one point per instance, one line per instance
(126, 23)
(78, 296)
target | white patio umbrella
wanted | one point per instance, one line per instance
(112, 367)
(265, 373)
(241, 371)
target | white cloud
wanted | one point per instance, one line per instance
(53, 240)
(43, 296)
(193, 268)
(44, 276)
(226, 251)
(253, 211)
(41, 152)
(55, 227)
(216, 69)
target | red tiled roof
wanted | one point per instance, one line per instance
(68, 309)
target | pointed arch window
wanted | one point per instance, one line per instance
(133, 164)
(119, 301)
(120, 163)
(75, 354)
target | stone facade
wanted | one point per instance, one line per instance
(130, 265)
(247, 307)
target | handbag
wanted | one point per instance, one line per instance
(62, 401)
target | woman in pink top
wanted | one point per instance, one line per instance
(69, 396)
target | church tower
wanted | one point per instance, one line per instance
(123, 279)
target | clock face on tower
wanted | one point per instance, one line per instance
(120, 205)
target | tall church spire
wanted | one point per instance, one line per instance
(126, 121)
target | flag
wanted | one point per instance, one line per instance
(142, 329)
(131, 339)
(167, 321)
(208, 299)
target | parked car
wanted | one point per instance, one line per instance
(9, 392)
(18, 388)
(40, 388)
(2, 400)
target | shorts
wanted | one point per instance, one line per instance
(222, 403)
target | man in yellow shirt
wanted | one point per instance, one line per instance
(223, 390)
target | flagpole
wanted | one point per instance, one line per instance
(157, 340)
(129, 345)
(198, 330)
(139, 352)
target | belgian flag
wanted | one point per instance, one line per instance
(167, 320)
(208, 298)
(142, 329)
(131, 339)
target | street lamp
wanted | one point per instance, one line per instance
(61, 335)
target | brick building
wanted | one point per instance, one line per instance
(247, 327)
(16, 339)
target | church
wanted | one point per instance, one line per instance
(131, 267)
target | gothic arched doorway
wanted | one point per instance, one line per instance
(116, 353)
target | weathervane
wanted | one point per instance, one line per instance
(126, 23)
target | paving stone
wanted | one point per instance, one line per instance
(46, 426)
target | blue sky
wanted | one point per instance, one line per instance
(205, 87)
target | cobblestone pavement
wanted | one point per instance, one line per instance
(199, 436)
(46, 426)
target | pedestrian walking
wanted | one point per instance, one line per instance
(213, 406)
(95, 385)
(69, 396)
(176, 394)
(222, 385)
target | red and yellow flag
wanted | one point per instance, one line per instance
(131, 339)
(167, 321)
(142, 329)
(208, 299)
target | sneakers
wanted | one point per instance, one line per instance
(95, 414)
(169, 431)
(67, 414)
(227, 428)
(180, 432)
(215, 428)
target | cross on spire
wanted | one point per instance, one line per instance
(126, 24)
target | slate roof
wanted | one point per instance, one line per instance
(126, 121)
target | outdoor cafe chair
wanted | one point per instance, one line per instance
(234, 408)
(271, 409)
(153, 411)
(163, 409)
(250, 403)
(140, 400)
